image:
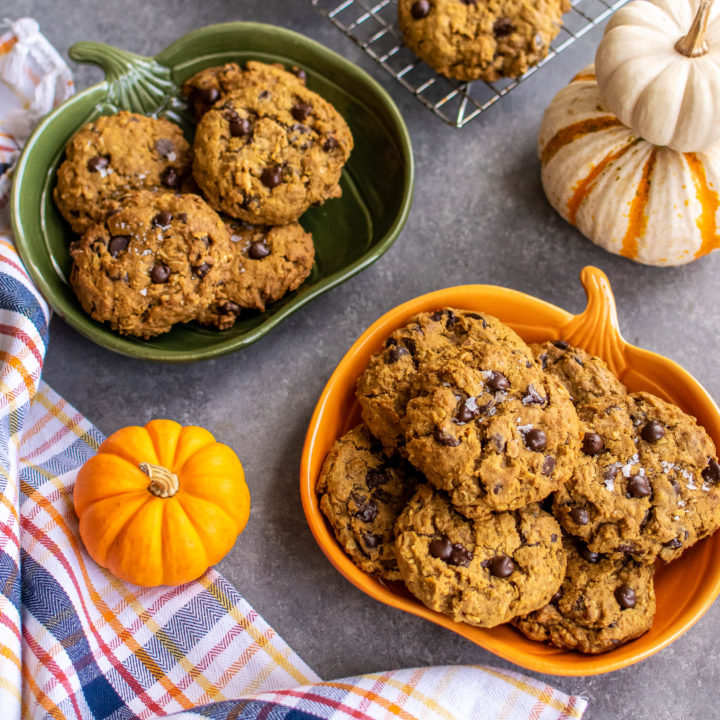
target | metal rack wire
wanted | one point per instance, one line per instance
(373, 26)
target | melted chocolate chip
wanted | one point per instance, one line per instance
(579, 516)
(160, 273)
(271, 176)
(587, 554)
(371, 540)
(497, 381)
(395, 354)
(209, 95)
(437, 315)
(376, 477)
(535, 439)
(468, 411)
(165, 147)
(711, 472)
(301, 110)
(475, 316)
(561, 344)
(501, 566)
(445, 438)
(258, 250)
(460, 555)
(578, 361)
(162, 219)
(98, 163)
(230, 308)
(202, 270)
(441, 548)
(170, 178)
(673, 544)
(592, 444)
(240, 127)
(502, 27)
(543, 360)
(556, 597)
(411, 346)
(420, 9)
(451, 319)
(638, 487)
(367, 512)
(625, 596)
(117, 244)
(330, 144)
(653, 431)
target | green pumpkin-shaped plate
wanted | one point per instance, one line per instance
(349, 233)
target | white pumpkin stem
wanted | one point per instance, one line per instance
(693, 44)
(163, 483)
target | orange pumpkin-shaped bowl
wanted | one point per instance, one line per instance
(684, 589)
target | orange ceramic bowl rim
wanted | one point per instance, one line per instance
(685, 589)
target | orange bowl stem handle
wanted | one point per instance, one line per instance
(596, 329)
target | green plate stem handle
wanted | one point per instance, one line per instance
(135, 83)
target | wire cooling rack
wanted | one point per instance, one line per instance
(373, 26)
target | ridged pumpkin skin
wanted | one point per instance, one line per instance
(150, 540)
(647, 203)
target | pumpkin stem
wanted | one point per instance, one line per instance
(163, 483)
(693, 44)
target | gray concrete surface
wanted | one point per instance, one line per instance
(479, 216)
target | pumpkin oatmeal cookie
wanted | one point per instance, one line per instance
(362, 493)
(602, 603)
(480, 572)
(114, 155)
(155, 260)
(266, 263)
(266, 157)
(647, 482)
(470, 40)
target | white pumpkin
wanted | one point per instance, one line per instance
(648, 79)
(648, 203)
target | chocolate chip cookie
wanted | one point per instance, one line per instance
(602, 603)
(362, 493)
(480, 572)
(461, 397)
(467, 40)
(266, 263)
(647, 483)
(266, 156)
(207, 87)
(586, 377)
(155, 260)
(114, 155)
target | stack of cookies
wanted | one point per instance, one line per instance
(171, 233)
(508, 483)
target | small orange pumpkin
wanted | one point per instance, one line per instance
(160, 504)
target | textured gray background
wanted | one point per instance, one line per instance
(479, 215)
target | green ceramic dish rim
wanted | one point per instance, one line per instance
(105, 337)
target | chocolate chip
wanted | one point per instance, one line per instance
(497, 381)
(578, 361)
(160, 273)
(162, 219)
(420, 9)
(258, 250)
(589, 555)
(625, 596)
(501, 566)
(411, 346)
(395, 354)
(117, 244)
(451, 319)
(592, 444)
(264, 94)
(561, 344)
(170, 178)
(240, 127)
(502, 27)
(497, 488)
(653, 431)
(165, 147)
(441, 548)
(711, 472)
(548, 465)
(437, 315)
(554, 599)
(553, 538)
(209, 95)
(299, 73)
(301, 110)
(376, 477)
(460, 555)
(97, 163)
(230, 308)
(445, 438)
(370, 540)
(673, 544)
(271, 176)
(535, 439)
(182, 217)
(367, 512)
(475, 316)
(638, 487)
(468, 411)
(202, 270)
(543, 360)
(330, 144)
(579, 516)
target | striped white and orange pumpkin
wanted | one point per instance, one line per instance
(648, 203)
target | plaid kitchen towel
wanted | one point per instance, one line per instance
(76, 642)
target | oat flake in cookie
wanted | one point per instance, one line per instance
(156, 260)
(472, 39)
(362, 492)
(265, 156)
(482, 572)
(114, 155)
(602, 603)
(647, 483)
(266, 263)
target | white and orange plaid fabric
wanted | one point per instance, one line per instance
(76, 642)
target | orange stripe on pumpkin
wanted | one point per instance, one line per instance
(638, 219)
(708, 200)
(583, 187)
(575, 131)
